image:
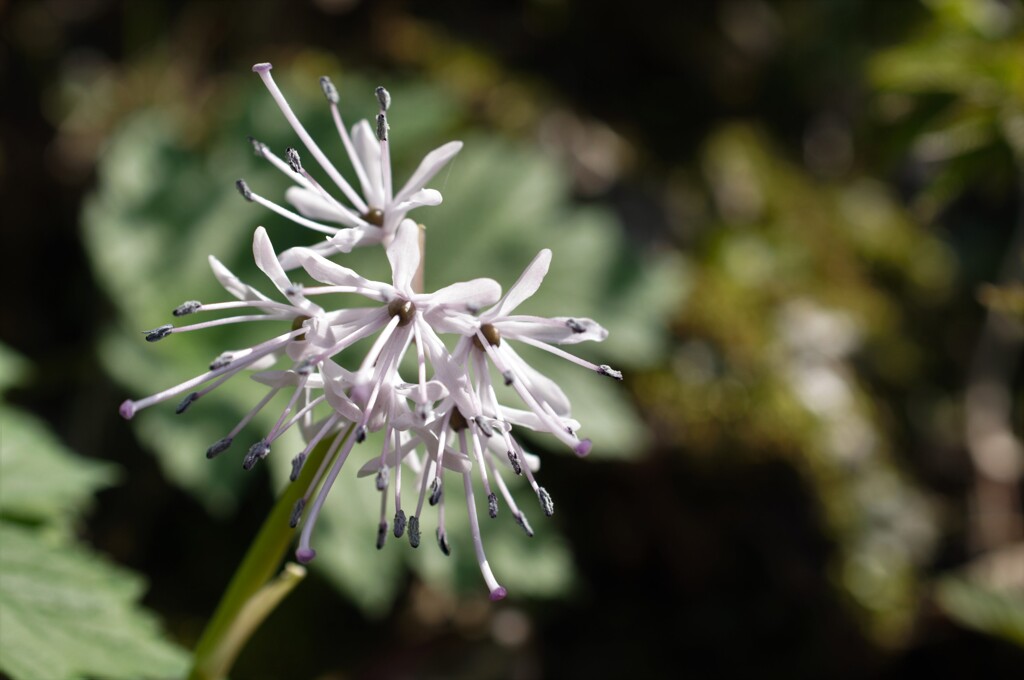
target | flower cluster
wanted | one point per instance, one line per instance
(451, 419)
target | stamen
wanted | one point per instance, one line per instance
(219, 446)
(360, 434)
(382, 479)
(497, 592)
(605, 369)
(382, 127)
(435, 491)
(244, 189)
(382, 534)
(414, 531)
(291, 157)
(258, 147)
(508, 377)
(484, 425)
(330, 91)
(299, 506)
(158, 333)
(188, 307)
(383, 98)
(513, 458)
(442, 542)
(546, 503)
(400, 523)
(522, 521)
(297, 463)
(186, 402)
(575, 326)
(256, 453)
(221, 361)
(492, 505)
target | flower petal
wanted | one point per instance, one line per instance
(368, 149)
(528, 283)
(404, 255)
(314, 205)
(543, 388)
(266, 260)
(465, 296)
(429, 166)
(420, 198)
(325, 271)
(562, 330)
(232, 283)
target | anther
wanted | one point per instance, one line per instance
(297, 462)
(399, 523)
(382, 534)
(305, 367)
(546, 503)
(508, 377)
(442, 542)
(360, 434)
(484, 425)
(605, 369)
(382, 479)
(330, 91)
(575, 326)
(492, 505)
(256, 453)
(513, 458)
(522, 521)
(405, 310)
(291, 156)
(244, 189)
(297, 509)
(414, 531)
(258, 147)
(221, 361)
(374, 216)
(186, 402)
(293, 289)
(383, 98)
(382, 127)
(491, 334)
(435, 492)
(218, 447)
(158, 333)
(186, 308)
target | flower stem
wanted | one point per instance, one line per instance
(250, 597)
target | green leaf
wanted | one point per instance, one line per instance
(67, 613)
(40, 479)
(983, 608)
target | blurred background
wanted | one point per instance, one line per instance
(802, 222)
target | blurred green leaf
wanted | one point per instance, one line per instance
(983, 608)
(66, 613)
(40, 480)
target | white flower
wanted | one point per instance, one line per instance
(370, 217)
(307, 336)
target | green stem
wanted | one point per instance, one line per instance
(228, 630)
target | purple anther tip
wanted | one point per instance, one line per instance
(262, 67)
(127, 409)
(304, 555)
(498, 593)
(583, 448)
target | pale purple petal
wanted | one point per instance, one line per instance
(314, 205)
(404, 255)
(368, 149)
(563, 330)
(266, 260)
(528, 283)
(232, 283)
(325, 271)
(419, 199)
(429, 166)
(465, 296)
